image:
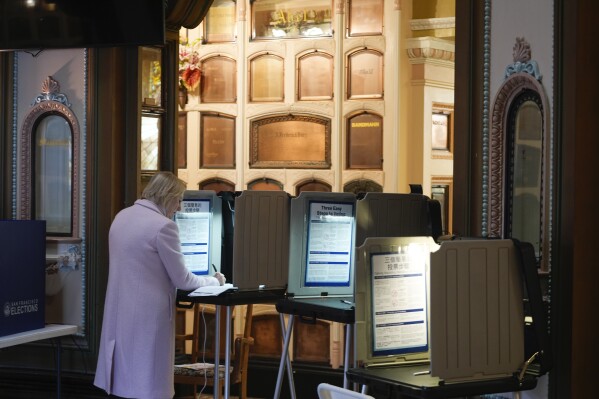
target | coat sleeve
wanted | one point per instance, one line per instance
(169, 250)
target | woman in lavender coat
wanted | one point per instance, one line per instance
(137, 346)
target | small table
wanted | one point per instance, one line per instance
(324, 308)
(50, 331)
(409, 382)
(229, 299)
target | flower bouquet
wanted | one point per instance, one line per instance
(189, 63)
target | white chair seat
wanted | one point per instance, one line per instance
(328, 391)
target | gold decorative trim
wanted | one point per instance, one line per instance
(432, 23)
(424, 49)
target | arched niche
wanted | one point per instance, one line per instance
(266, 78)
(216, 185)
(315, 76)
(362, 186)
(365, 71)
(312, 185)
(265, 184)
(364, 141)
(49, 161)
(519, 178)
(219, 82)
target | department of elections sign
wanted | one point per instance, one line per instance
(23, 270)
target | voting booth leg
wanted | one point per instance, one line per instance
(216, 393)
(285, 359)
(289, 369)
(215, 390)
(228, 354)
(348, 335)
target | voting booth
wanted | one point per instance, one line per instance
(458, 306)
(449, 320)
(321, 266)
(23, 271)
(254, 249)
(200, 230)
(326, 228)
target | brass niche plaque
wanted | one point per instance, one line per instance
(218, 141)
(291, 141)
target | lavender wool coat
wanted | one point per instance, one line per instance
(137, 346)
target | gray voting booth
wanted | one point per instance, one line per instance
(321, 267)
(457, 332)
(253, 244)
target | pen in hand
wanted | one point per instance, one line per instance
(219, 276)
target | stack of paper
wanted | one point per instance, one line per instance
(212, 290)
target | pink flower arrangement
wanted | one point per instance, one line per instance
(189, 63)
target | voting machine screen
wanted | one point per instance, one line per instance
(322, 237)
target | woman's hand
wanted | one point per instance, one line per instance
(221, 278)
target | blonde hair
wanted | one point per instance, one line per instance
(163, 188)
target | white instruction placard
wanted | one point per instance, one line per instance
(399, 300)
(194, 222)
(330, 244)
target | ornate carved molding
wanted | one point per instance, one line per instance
(522, 60)
(430, 49)
(51, 92)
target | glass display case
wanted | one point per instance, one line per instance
(289, 19)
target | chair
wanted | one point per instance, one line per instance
(328, 391)
(198, 374)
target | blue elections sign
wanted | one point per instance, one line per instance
(22, 267)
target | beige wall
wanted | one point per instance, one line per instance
(406, 107)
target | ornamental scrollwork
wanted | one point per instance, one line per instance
(522, 60)
(51, 92)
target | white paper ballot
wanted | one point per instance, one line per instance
(212, 290)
